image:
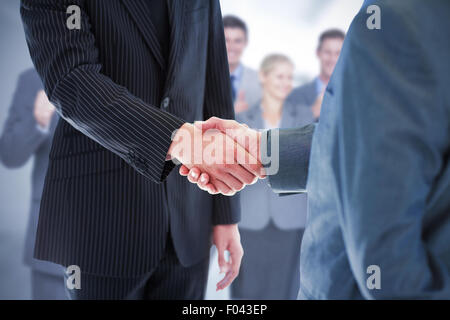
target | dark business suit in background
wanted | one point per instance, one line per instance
(305, 95)
(136, 71)
(20, 140)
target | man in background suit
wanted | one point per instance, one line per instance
(244, 80)
(310, 95)
(379, 175)
(124, 83)
(29, 132)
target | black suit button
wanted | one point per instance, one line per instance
(165, 103)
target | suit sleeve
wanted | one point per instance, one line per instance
(218, 102)
(21, 136)
(392, 139)
(67, 61)
(292, 160)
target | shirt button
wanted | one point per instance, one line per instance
(165, 103)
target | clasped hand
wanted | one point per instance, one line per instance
(221, 156)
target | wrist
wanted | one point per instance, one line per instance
(180, 141)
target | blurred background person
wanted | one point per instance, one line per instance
(28, 132)
(246, 91)
(271, 226)
(311, 94)
(245, 85)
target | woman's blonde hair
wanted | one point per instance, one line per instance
(272, 60)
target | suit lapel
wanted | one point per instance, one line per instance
(137, 10)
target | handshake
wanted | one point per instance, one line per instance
(220, 156)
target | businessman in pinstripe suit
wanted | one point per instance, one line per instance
(125, 81)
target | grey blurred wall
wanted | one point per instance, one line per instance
(14, 184)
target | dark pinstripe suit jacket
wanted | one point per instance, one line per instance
(109, 199)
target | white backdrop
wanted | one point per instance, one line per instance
(291, 27)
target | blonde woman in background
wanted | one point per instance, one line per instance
(272, 226)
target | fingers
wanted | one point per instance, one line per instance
(194, 175)
(231, 181)
(213, 186)
(249, 162)
(204, 180)
(211, 189)
(223, 266)
(248, 139)
(222, 187)
(205, 184)
(243, 175)
(225, 182)
(184, 171)
(236, 254)
(223, 177)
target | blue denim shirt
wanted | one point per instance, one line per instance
(379, 171)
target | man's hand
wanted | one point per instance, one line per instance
(247, 138)
(227, 238)
(43, 109)
(317, 105)
(228, 165)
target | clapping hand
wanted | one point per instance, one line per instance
(241, 104)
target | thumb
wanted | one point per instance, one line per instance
(211, 123)
(218, 124)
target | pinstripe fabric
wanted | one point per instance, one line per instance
(109, 198)
(168, 281)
